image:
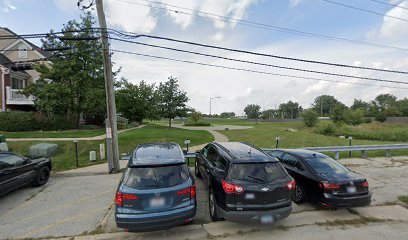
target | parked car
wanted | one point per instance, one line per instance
(17, 171)
(244, 183)
(156, 190)
(322, 179)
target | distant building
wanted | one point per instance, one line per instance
(11, 81)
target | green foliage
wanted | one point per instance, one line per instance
(327, 129)
(325, 104)
(121, 125)
(310, 118)
(172, 100)
(270, 113)
(227, 115)
(252, 111)
(339, 114)
(195, 117)
(354, 117)
(137, 102)
(77, 84)
(197, 124)
(381, 117)
(289, 110)
(18, 121)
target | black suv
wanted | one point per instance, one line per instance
(244, 183)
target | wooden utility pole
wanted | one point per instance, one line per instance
(111, 127)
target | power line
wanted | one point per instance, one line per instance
(263, 54)
(389, 4)
(252, 71)
(258, 25)
(365, 10)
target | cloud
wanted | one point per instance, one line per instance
(294, 3)
(395, 29)
(7, 6)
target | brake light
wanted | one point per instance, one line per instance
(329, 186)
(190, 190)
(231, 188)
(291, 184)
(120, 197)
(365, 184)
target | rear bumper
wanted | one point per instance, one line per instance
(262, 216)
(155, 221)
(344, 202)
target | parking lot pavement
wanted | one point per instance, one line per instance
(79, 205)
(65, 206)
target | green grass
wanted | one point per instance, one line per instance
(54, 134)
(403, 198)
(65, 158)
(263, 135)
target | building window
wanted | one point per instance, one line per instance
(17, 83)
(22, 51)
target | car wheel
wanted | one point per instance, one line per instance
(197, 173)
(299, 194)
(43, 174)
(212, 204)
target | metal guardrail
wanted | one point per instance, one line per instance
(357, 148)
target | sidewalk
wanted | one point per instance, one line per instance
(96, 138)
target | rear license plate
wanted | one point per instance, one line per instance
(351, 189)
(249, 196)
(267, 219)
(157, 202)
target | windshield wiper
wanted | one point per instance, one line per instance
(261, 180)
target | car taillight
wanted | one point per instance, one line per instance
(190, 190)
(232, 188)
(329, 186)
(291, 184)
(365, 184)
(120, 197)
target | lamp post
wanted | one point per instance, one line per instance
(210, 103)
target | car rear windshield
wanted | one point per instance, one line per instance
(156, 177)
(326, 165)
(257, 172)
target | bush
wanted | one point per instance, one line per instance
(381, 117)
(133, 124)
(310, 118)
(19, 121)
(328, 129)
(368, 120)
(195, 117)
(122, 125)
(197, 124)
(354, 117)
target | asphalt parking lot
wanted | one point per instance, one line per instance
(80, 205)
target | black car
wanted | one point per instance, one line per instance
(16, 171)
(322, 179)
(244, 183)
(157, 190)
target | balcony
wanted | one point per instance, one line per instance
(14, 97)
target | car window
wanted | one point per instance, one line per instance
(257, 172)
(289, 160)
(10, 161)
(205, 151)
(156, 177)
(326, 165)
(276, 154)
(220, 162)
(212, 154)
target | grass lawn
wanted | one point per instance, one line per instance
(263, 135)
(403, 198)
(65, 158)
(55, 134)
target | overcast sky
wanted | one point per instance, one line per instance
(237, 88)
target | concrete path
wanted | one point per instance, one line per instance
(96, 138)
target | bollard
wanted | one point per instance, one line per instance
(102, 151)
(76, 152)
(277, 141)
(92, 156)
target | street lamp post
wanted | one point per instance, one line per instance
(210, 103)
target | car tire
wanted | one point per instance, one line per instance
(299, 194)
(196, 171)
(212, 205)
(43, 174)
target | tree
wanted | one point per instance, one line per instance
(195, 117)
(270, 113)
(227, 114)
(338, 115)
(137, 102)
(381, 117)
(77, 76)
(252, 111)
(310, 118)
(325, 104)
(354, 117)
(360, 104)
(403, 107)
(290, 110)
(172, 100)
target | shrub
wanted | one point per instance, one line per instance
(381, 117)
(310, 118)
(354, 117)
(197, 124)
(122, 125)
(328, 129)
(195, 117)
(133, 124)
(19, 121)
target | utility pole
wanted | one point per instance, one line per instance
(210, 103)
(111, 127)
(321, 106)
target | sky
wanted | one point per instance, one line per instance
(236, 89)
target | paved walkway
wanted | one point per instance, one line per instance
(96, 138)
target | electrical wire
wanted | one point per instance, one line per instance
(252, 71)
(258, 25)
(263, 54)
(389, 4)
(365, 10)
